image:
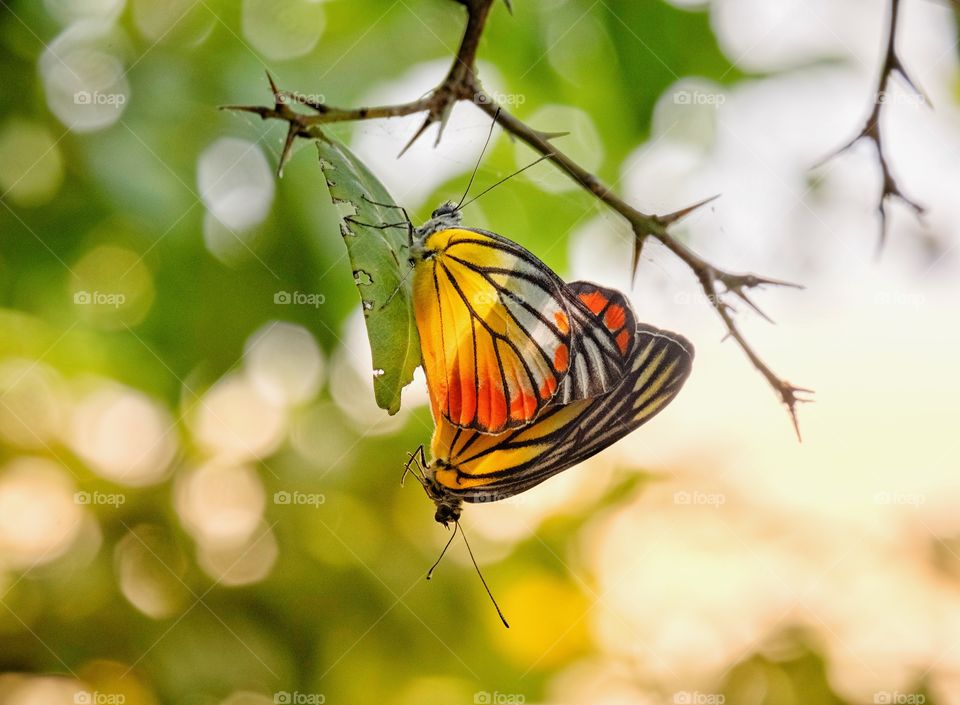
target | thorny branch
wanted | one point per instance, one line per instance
(462, 83)
(871, 130)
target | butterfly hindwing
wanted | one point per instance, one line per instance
(603, 328)
(477, 467)
(494, 329)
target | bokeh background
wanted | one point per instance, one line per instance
(199, 500)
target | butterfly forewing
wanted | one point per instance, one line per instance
(480, 468)
(494, 329)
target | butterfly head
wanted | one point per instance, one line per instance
(447, 512)
(448, 215)
(448, 506)
(447, 209)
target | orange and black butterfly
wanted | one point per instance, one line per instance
(501, 335)
(469, 466)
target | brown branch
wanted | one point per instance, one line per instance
(871, 130)
(461, 83)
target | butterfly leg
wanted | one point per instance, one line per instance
(381, 226)
(409, 223)
(421, 463)
(387, 205)
(395, 292)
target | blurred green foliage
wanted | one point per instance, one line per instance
(344, 610)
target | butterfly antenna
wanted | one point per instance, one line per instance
(476, 167)
(477, 567)
(506, 178)
(442, 554)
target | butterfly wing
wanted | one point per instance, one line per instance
(603, 327)
(494, 329)
(484, 468)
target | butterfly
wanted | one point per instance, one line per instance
(501, 335)
(469, 466)
(473, 467)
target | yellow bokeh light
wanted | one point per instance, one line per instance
(86, 84)
(150, 571)
(235, 422)
(123, 435)
(39, 514)
(178, 22)
(31, 163)
(284, 363)
(283, 29)
(33, 404)
(34, 690)
(243, 563)
(112, 682)
(220, 505)
(111, 287)
(548, 618)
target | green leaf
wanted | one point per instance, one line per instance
(379, 258)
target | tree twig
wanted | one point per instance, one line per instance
(871, 131)
(462, 84)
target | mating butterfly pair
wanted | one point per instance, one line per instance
(527, 375)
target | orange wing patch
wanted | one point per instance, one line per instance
(561, 358)
(594, 300)
(549, 388)
(615, 317)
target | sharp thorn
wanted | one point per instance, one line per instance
(638, 241)
(837, 152)
(277, 94)
(671, 218)
(750, 281)
(416, 135)
(746, 299)
(796, 422)
(255, 109)
(293, 132)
